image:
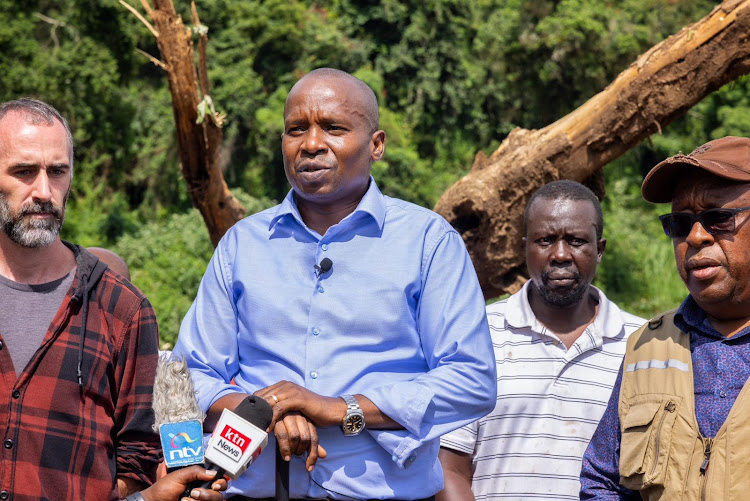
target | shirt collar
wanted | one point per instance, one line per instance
(607, 323)
(372, 203)
(691, 318)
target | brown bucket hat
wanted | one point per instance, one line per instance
(728, 157)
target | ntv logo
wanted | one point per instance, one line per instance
(182, 443)
(182, 448)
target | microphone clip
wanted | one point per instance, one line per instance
(323, 268)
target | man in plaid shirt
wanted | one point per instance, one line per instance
(78, 343)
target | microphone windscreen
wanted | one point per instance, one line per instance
(256, 411)
(174, 394)
(325, 265)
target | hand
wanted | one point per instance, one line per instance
(297, 435)
(171, 487)
(286, 397)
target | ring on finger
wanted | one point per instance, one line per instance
(275, 398)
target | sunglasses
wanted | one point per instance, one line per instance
(714, 221)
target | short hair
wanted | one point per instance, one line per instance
(565, 189)
(370, 100)
(38, 112)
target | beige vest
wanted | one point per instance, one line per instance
(662, 453)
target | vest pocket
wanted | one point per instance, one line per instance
(646, 438)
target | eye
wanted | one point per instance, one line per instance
(545, 241)
(336, 128)
(295, 130)
(23, 172)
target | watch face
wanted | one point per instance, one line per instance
(354, 424)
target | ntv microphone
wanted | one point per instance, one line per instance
(177, 416)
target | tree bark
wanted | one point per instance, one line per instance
(198, 143)
(487, 205)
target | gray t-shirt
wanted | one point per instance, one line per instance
(26, 313)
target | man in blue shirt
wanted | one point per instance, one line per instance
(357, 316)
(675, 426)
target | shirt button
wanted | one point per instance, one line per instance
(8, 444)
(16, 393)
(722, 394)
(4, 495)
(314, 375)
(324, 247)
(316, 331)
(320, 289)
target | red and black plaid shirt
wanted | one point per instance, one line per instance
(65, 440)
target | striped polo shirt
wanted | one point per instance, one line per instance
(550, 400)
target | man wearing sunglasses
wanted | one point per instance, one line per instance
(676, 426)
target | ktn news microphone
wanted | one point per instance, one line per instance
(238, 438)
(178, 417)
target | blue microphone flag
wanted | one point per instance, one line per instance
(182, 443)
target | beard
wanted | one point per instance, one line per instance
(28, 231)
(561, 298)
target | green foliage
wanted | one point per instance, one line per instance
(638, 269)
(452, 77)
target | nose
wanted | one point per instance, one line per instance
(314, 142)
(698, 236)
(42, 188)
(560, 252)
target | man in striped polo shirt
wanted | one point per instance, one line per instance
(558, 343)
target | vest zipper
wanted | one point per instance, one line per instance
(670, 407)
(707, 443)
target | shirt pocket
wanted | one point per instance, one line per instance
(646, 440)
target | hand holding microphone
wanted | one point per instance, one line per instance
(172, 487)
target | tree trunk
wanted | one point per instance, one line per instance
(198, 143)
(487, 205)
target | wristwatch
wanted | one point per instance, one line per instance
(354, 421)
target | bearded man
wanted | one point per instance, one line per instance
(558, 343)
(78, 343)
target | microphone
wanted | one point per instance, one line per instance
(239, 438)
(324, 267)
(177, 416)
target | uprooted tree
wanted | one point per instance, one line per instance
(199, 134)
(486, 206)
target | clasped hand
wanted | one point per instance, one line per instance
(296, 413)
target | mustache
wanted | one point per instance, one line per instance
(576, 275)
(41, 208)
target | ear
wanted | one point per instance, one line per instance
(377, 142)
(600, 246)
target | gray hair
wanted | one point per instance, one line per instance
(38, 112)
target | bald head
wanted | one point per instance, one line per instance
(356, 90)
(115, 262)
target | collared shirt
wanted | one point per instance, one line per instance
(721, 366)
(68, 440)
(399, 318)
(549, 402)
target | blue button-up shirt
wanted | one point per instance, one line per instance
(720, 368)
(399, 318)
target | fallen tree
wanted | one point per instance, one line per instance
(486, 206)
(199, 134)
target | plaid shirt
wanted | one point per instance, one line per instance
(65, 439)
